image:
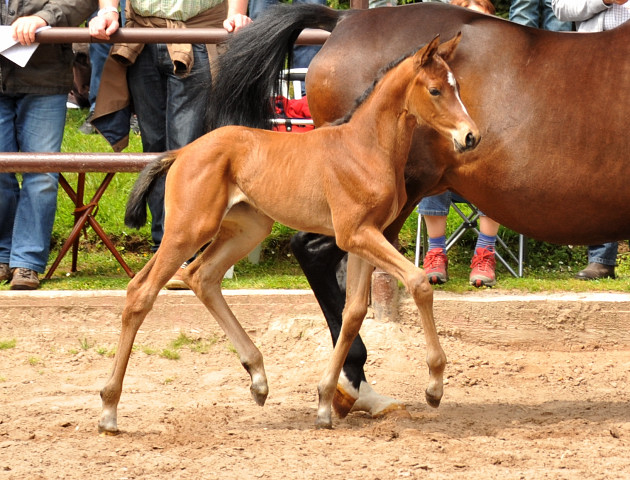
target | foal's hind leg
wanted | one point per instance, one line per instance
(241, 230)
(357, 295)
(141, 294)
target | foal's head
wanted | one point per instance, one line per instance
(433, 96)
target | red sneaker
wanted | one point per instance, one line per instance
(483, 264)
(436, 266)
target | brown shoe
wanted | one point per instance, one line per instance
(595, 271)
(176, 282)
(24, 279)
(5, 272)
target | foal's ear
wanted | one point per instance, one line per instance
(447, 49)
(424, 55)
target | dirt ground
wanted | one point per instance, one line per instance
(538, 387)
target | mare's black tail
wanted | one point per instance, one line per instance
(248, 71)
(136, 211)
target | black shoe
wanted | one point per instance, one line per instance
(595, 271)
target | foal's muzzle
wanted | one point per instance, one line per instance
(470, 142)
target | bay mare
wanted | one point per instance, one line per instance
(552, 108)
(227, 188)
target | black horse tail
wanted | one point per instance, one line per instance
(136, 211)
(247, 73)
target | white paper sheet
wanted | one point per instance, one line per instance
(13, 50)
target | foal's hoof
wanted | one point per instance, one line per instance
(432, 400)
(104, 431)
(259, 393)
(321, 424)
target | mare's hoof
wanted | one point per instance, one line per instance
(432, 400)
(394, 410)
(342, 402)
(259, 393)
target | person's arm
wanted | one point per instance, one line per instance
(56, 13)
(106, 21)
(580, 10)
(237, 15)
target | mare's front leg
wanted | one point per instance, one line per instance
(141, 294)
(242, 229)
(357, 296)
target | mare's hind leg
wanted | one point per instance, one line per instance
(242, 229)
(357, 295)
(141, 294)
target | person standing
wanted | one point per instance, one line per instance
(537, 14)
(98, 55)
(434, 209)
(595, 16)
(32, 119)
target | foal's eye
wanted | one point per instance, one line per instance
(434, 91)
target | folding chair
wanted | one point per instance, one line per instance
(290, 88)
(503, 253)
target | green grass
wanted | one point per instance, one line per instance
(548, 267)
(8, 344)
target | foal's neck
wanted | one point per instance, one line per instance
(383, 118)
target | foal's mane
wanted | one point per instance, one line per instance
(368, 91)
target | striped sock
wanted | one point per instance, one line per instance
(485, 241)
(438, 242)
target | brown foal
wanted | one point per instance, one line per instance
(346, 180)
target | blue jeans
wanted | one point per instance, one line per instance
(171, 111)
(29, 123)
(303, 54)
(98, 55)
(605, 254)
(439, 205)
(537, 14)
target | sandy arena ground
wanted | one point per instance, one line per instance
(538, 387)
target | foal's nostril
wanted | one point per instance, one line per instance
(470, 140)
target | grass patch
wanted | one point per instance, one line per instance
(34, 361)
(170, 354)
(8, 344)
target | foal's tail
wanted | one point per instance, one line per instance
(136, 211)
(248, 71)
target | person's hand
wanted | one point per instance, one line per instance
(233, 22)
(24, 28)
(104, 25)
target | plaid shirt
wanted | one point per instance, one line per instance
(615, 16)
(181, 10)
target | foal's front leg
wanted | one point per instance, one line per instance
(379, 252)
(357, 295)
